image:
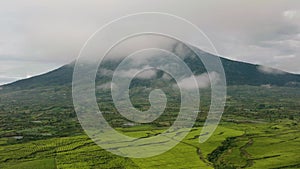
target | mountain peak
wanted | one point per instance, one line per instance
(237, 73)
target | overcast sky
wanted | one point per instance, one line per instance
(38, 35)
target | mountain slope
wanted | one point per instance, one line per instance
(237, 73)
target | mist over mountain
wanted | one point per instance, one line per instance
(237, 73)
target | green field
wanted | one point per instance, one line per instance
(259, 129)
(254, 145)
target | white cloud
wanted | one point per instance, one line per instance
(203, 81)
(106, 72)
(107, 85)
(51, 33)
(7, 79)
(148, 74)
(268, 70)
(166, 76)
(278, 57)
(12, 70)
(290, 14)
(143, 73)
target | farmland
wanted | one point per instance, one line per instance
(259, 146)
(264, 133)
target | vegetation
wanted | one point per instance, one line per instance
(264, 133)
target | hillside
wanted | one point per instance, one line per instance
(237, 73)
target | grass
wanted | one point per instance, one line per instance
(265, 146)
(257, 131)
(48, 163)
(262, 145)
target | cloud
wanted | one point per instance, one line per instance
(166, 76)
(107, 85)
(278, 57)
(12, 70)
(7, 79)
(143, 73)
(106, 72)
(203, 81)
(148, 74)
(268, 70)
(290, 14)
(141, 43)
(51, 33)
